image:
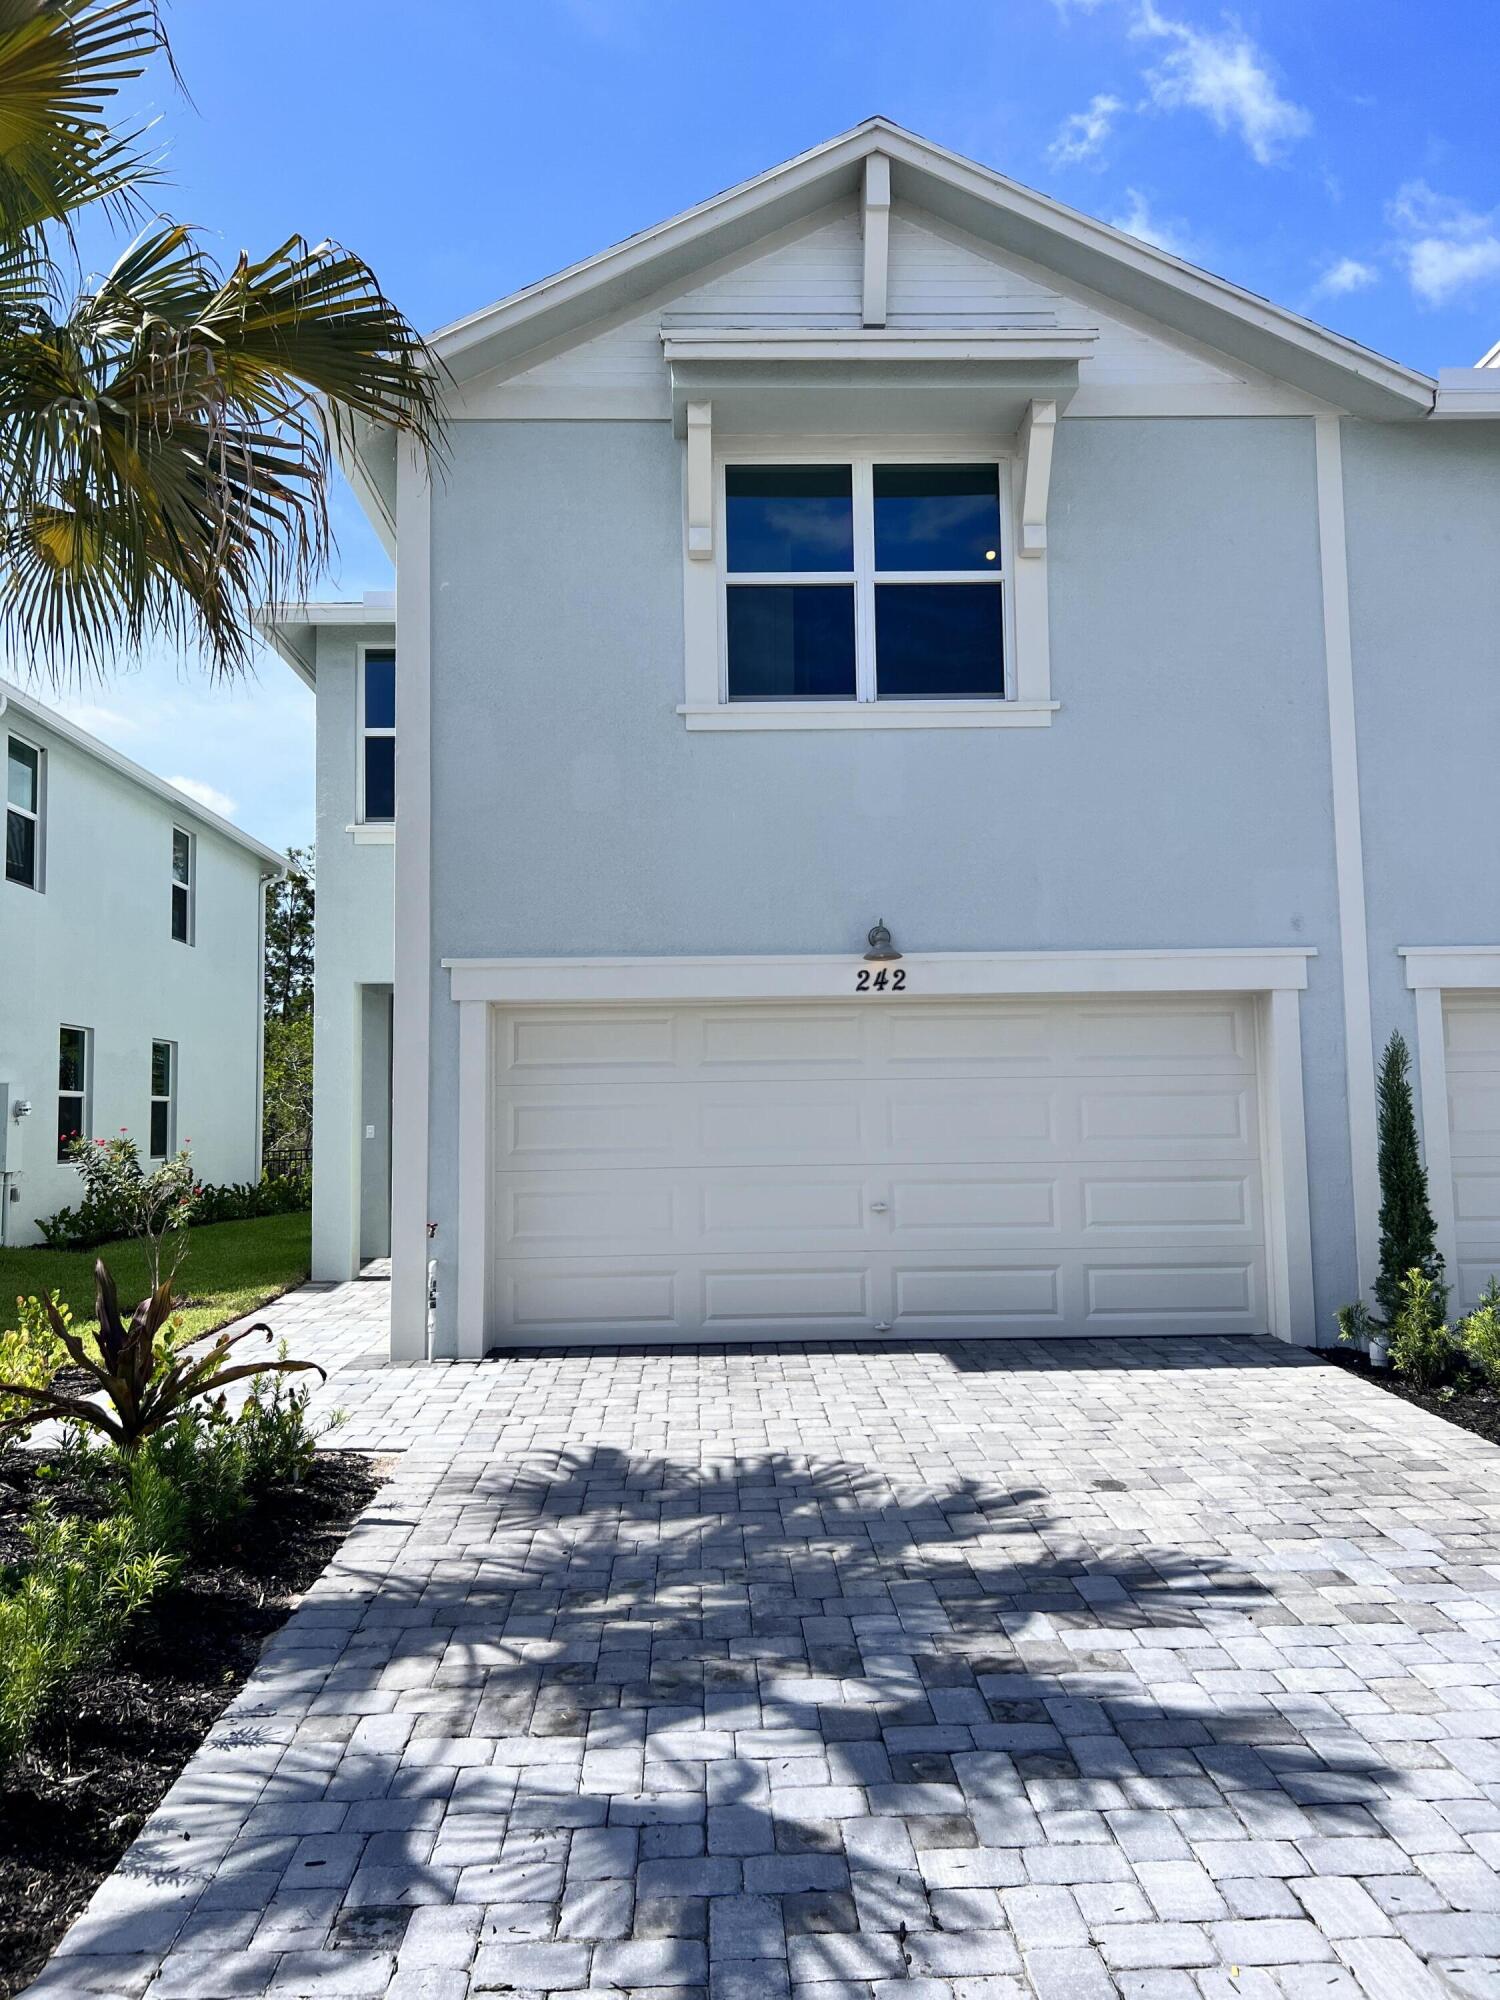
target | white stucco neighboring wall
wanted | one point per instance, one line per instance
(92, 948)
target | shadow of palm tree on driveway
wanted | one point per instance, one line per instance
(635, 1721)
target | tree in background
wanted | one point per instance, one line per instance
(1408, 1234)
(288, 1101)
(166, 429)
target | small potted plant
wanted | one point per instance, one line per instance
(1358, 1327)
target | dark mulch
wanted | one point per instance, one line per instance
(1469, 1405)
(70, 1809)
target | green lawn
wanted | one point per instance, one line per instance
(230, 1268)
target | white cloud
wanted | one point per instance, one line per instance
(1447, 246)
(1080, 136)
(1226, 77)
(206, 795)
(1348, 274)
(1137, 220)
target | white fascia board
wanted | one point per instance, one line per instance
(290, 630)
(1279, 343)
(1451, 965)
(875, 344)
(15, 701)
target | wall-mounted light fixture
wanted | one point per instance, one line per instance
(879, 941)
(20, 1109)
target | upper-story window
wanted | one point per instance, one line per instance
(23, 813)
(864, 580)
(377, 735)
(184, 884)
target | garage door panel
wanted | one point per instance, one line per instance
(806, 1295)
(1141, 1114)
(978, 1293)
(1147, 1203)
(957, 1167)
(1213, 1035)
(1200, 1292)
(544, 1047)
(747, 1040)
(941, 1206)
(1471, 1033)
(944, 1040)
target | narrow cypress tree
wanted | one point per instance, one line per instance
(1408, 1234)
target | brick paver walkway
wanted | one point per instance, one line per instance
(1167, 1669)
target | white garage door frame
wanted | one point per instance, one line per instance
(1273, 978)
(1431, 972)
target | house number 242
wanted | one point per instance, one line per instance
(880, 982)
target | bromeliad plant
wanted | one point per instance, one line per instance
(140, 1378)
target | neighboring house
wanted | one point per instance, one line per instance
(130, 967)
(883, 540)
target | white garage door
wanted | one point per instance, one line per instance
(1471, 1024)
(1032, 1167)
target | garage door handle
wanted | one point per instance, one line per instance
(880, 1207)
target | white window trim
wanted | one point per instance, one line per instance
(362, 735)
(1027, 703)
(170, 1100)
(191, 885)
(38, 817)
(86, 1116)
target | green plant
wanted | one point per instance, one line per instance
(157, 1206)
(1408, 1234)
(168, 427)
(93, 1223)
(1479, 1335)
(1421, 1344)
(141, 1376)
(1357, 1325)
(83, 1583)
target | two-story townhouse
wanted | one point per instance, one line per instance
(131, 978)
(883, 542)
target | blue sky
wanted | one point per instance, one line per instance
(1338, 157)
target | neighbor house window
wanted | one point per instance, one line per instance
(377, 736)
(23, 813)
(72, 1087)
(866, 580)
(183, 861)
(163, 1099)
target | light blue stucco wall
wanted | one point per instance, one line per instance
(94, 950)
(1180, 798)
(353, 952)
(1423, 508)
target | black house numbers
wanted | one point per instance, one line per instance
(887, 979)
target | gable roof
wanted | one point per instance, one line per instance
(15, 701)
(988, 206)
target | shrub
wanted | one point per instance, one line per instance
(1408, 1234)
(142, 1373)
(94, 1222)
(1479, 1335)
(82, 1585)
(1357, 1325)
(1421, 1345)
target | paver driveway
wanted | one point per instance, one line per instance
(1167, 1668)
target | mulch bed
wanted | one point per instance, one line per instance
(1472, 1408)
(70, 1808)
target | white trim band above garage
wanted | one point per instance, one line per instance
(1451, 965)
(929, 975)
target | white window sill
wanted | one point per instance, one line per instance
(372, 833)
(872, 715)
